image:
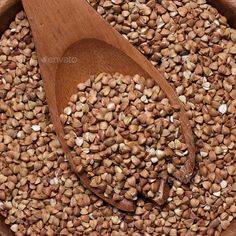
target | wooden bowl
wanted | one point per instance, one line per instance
(8, 11)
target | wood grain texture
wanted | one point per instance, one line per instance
(227, 8)
(231, 231)
(8, 9)
(72, 29)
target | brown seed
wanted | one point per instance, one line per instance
(182, 11)
(194, 202)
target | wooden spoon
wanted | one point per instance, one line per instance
(73, 42)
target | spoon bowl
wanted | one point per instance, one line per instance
(73, 42)
(90, 57)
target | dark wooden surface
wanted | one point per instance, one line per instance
(4, 229)
(8, 10)
(226, 8)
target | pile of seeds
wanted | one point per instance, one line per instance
(195, 48)
(125, 134)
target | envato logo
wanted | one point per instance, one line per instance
(56, 60)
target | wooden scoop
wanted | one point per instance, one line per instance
(73, 42)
